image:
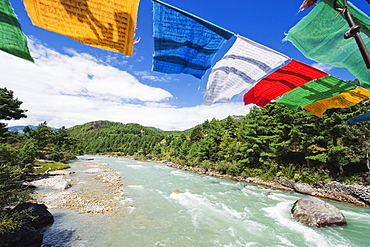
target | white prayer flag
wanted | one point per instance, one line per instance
(240, 68)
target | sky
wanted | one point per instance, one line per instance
(71, 83)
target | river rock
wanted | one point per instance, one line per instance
(313, 211)
(37, 216)
(62, 185)
(304, 188)
(93, 170)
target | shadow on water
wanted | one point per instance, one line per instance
(57, 236)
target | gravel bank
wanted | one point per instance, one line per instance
(95, 188)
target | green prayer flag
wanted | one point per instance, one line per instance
(12, 39)
(320, 37)
(313, 91)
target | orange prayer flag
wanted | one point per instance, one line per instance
(343, 100)
(108, 24)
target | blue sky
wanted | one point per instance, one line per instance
(72, 83)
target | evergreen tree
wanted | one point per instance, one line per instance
(9, 109)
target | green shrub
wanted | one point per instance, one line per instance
(221, 167)
(252, 172)
(12, 191)
(233, 169)
(352, 180)
(288, 171)
(8, 223)
(206, 165)
(312, 176)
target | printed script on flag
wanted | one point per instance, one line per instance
(319, 36)
(184, 43)
(240, 68)
(313, 91)
(343, 100)
(108, 24)
(286, 78)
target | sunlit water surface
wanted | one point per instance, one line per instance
(163, 206)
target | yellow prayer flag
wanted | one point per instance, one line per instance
(108, 24)
(343, 100)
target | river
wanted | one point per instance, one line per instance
(163, 206)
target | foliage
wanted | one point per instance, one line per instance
(13, 165)
(17, 159)
(18, 152)
(11, 221)
(9, 109)
(57, 145)
(12, 190)
(8, 224)
(106, 137)
(267, 142)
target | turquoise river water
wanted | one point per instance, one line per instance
(163, 206)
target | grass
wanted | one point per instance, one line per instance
(53, 165)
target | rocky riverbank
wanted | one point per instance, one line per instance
(354, 194)
(89, 188)
(101, 190)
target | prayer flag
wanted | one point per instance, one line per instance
(12, 39)
(307, 4)
(240, 68)
(290, 76)
(313, 91)
(343, 100)
(319, 36)
(358, 119)
(184, 43)
(108, 24)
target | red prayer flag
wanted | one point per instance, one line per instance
(288, 77)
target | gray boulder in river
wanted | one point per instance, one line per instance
(313, 211)
(62, 185)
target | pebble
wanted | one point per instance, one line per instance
(100, 193)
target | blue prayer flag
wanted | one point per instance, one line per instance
(358, 119)
(184, 43)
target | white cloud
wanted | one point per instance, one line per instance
(323, 67)
(146, 75)
(66, 90)
(82, 74)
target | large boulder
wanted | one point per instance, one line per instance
(33, 216)
(313, 211)
(37, 214)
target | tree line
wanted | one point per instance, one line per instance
(267, 142)
(19, 151)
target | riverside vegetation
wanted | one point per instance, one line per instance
(18, 156)
(268, 142)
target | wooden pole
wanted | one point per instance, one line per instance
(354, 31)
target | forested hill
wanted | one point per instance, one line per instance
(268, 142)
(106, 137)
